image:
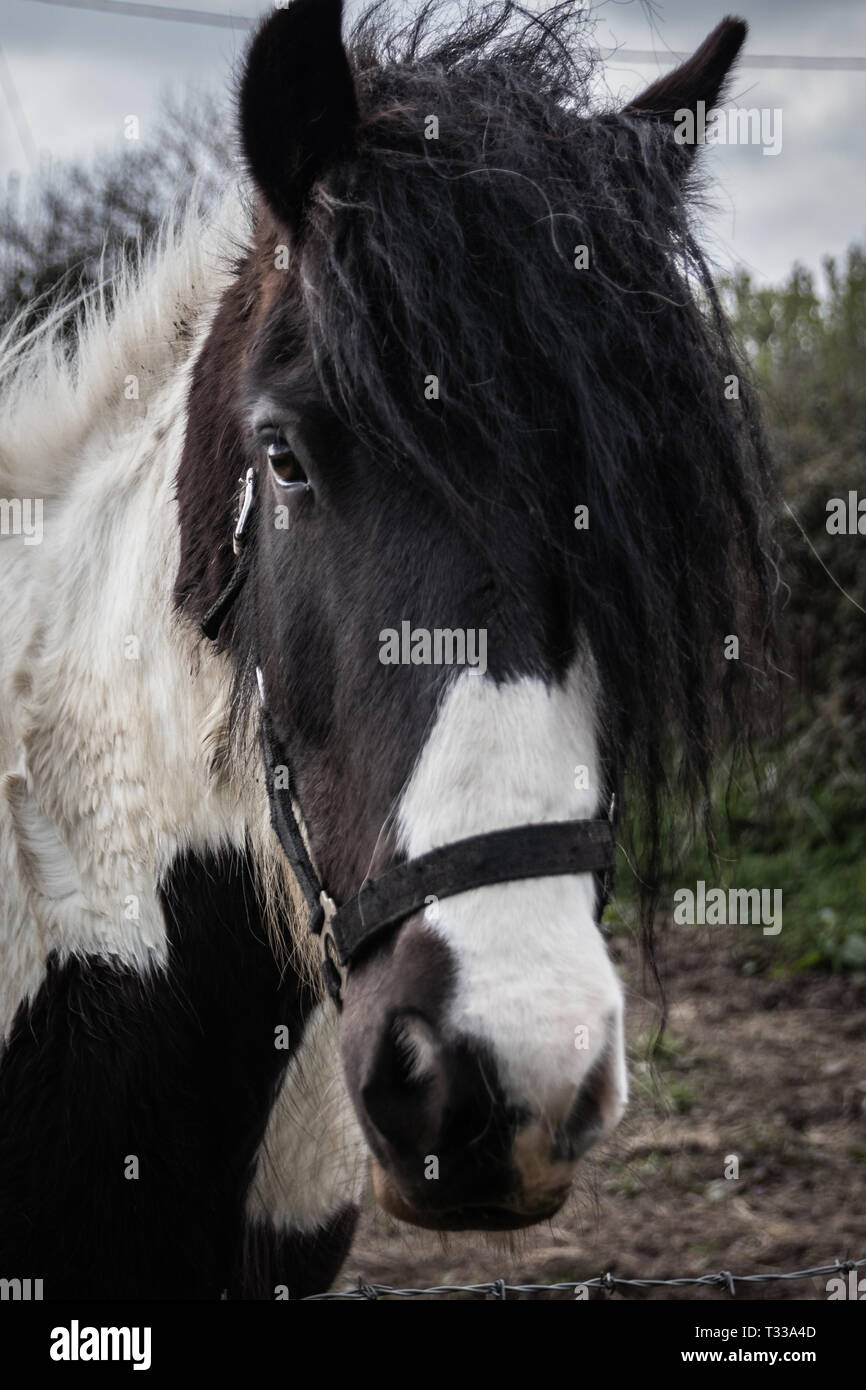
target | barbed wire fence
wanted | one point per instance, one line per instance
(604, 1284)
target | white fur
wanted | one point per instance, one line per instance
(312, 1158)
(109, 767)
(531, 964)
(107, 772)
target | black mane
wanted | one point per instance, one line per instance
(558, 386)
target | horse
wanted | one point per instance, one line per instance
(394, 516)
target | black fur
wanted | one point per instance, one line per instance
(178, 1070)
(292, 1264)
(297, 103)
(703, 77)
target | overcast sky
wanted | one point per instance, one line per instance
(78, 74)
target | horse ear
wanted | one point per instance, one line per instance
(700, 78)
(298, 108)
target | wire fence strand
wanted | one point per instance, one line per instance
(657, 57)
(605, 1283)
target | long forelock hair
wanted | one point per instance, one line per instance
(605, 387)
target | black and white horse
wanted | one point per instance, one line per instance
(464, 353)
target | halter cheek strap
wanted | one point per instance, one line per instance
(218, 612)
(383, 904)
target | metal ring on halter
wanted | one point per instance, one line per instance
(333, 970)
(249, 482)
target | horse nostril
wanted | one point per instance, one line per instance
(415, 1049)
(584, 1123)
(403, 1093)
(581, 1129)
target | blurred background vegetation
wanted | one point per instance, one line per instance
(72, 229)
(804, 829)
(801, 825)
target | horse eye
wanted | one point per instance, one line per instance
(285, 467)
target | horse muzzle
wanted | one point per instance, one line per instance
(453, 1147)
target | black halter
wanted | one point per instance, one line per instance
(382, 904)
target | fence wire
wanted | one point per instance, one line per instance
(605, 1283)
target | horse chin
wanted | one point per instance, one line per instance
(477, 1217)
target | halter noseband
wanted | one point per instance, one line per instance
(382, 904)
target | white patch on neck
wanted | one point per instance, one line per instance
(312, 1159)
(531, 964)
(113, 710)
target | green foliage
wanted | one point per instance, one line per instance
(809, 354)
(810, 842)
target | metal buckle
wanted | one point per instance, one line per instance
(249, 487)
(607, 876)
(335, 973)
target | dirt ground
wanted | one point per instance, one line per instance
(770, 1069)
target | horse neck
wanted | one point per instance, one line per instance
(115, 740)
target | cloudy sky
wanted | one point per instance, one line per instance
(78, 74)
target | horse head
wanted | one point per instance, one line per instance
(499, 518)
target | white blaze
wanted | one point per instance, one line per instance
(533, 977)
